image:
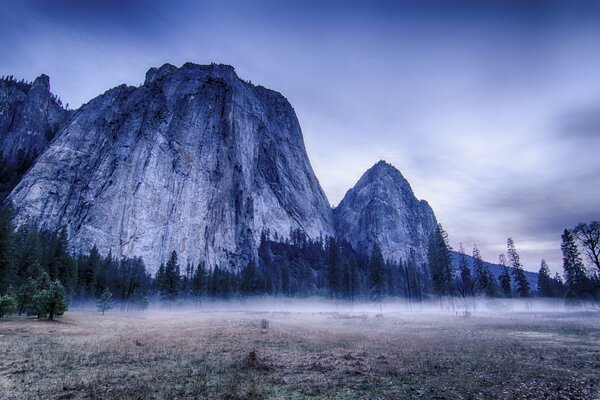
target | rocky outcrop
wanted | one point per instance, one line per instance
(29, 118)
(194, 160)
(382, 208)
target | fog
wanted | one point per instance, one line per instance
(344, 309)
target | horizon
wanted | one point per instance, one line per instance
(508, 153)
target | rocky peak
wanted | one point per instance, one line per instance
(29, 117)
(43, 80)
(382, 208)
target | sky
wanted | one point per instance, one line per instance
(491, 109)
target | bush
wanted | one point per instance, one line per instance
(8, 305)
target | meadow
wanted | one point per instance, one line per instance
(237, 354)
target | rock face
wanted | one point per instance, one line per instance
(29, 117)
(382, 208)
(194, 160)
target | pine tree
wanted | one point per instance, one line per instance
(504, 278)
(545, 282)
(377, 275)
(105, 301)
(7, 249)
(172, 279)
(483, 276)
(333, 264)
(440, 262)
(518, 273)
(465, 283)
(250, 282)
(574, 271)
(199, 280)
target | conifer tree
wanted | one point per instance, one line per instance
(483, 276)
(172, 278)
(465, 283)
(504, 278)
(545, 282)
(333, 264)
(377, 275)
(440, 262)
(199, 280)
(574, 270)
(250, 282)
(7, 248)
(519, 275)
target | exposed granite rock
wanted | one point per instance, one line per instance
(29, 117)
(194, 160)
(382, 208)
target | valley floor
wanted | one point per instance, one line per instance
(228, 355)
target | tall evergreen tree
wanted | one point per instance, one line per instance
(7, 249)
(377, 275)
(440, 262)
(545, 282)
(483, 277)
(465, 283)
(171, 280)
(574, 271)
(199, 280)
(333, 265)
(250, 282)
(523, 288)
(504, 278)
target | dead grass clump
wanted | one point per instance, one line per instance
(264, 324)
(253, 361)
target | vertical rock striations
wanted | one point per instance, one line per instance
(194, 160)
(382, 208)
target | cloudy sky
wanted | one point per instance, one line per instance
(491, 109)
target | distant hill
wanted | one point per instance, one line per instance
(496, 269)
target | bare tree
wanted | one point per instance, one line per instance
(589, 236)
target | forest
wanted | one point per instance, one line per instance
(40, 276)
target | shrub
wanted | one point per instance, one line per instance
(8, 305)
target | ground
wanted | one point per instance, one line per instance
(234, 355)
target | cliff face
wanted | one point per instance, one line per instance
(382, 208)
(29, 117)
(194, 160)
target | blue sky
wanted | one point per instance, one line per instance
(491, 109)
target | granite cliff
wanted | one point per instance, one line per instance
(194, 160)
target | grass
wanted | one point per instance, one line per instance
(235, 355)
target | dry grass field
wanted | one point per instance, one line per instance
(229, 355)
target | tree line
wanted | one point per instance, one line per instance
(40, 276)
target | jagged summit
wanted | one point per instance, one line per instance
(190, 71)
(30, 115)
(382, 208)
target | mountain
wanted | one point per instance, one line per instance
(382, 208)
(194, 160)
(30, 116)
